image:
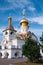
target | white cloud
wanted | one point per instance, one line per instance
(37, 19)
(17, 29)
(1, 34)
(5, 8)
(31, 8)
(22, 4)
(19, 1)
(17, 4)
(37, 32)
(1, 30)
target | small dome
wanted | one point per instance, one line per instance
(24, 21)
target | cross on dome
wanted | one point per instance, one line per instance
(10, 19)
(24, 20)
(23, 12)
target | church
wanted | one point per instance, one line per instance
(11, 45)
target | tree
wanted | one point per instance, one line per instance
(31, 50)
(41, 38)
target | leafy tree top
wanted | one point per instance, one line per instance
(31, 49)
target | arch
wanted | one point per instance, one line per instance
(6, 47)
(0, 47)
(0, 54)
(6, 54)
(16, 54)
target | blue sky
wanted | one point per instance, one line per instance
(34, 14)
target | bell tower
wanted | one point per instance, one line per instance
(24, 24)
(9, 32)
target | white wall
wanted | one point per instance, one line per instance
(9, 36)
(20, 43)
(19, 53)
(41, 52)
(24, 29)
(6, 51)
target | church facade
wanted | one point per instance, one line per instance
(11, 46)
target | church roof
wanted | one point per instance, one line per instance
(23, 36)
(27, 35)
(10, 27)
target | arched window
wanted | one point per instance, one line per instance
(6, 55)
(5, 47)
(0, 54)
(16, 54)
(0, 47)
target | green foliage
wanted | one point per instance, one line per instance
(31, 50)
(41, 38)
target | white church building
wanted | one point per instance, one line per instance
(11, 45)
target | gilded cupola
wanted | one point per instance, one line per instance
(24, 21)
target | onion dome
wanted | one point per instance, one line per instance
(24, 22)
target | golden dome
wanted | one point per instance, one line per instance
(24, 22)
